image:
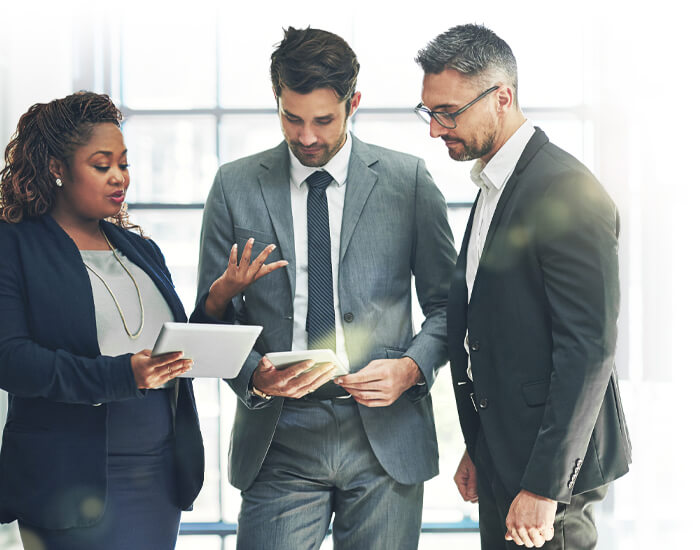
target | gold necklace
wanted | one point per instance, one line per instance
(131, 335)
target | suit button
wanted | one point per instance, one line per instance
(483, 403)
(349, 317)
(474, 346)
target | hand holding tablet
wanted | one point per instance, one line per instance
(320, 357)
(217, 351)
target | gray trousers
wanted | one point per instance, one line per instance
(574, 525)
(320, 464)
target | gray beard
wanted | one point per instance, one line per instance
(472, 153)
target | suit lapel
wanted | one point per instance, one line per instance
(361, 181)
(274, 186)
(459, 295)
(538, 139)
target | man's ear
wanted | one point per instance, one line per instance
(506, 98)
(354, 103)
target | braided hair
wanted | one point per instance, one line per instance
(50, 130)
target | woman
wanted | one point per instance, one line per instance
(102, 447)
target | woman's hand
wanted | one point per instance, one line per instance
(238, 276)
(152, 372)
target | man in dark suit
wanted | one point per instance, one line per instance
(359, 225)
(532, 308)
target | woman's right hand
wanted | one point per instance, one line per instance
(153, 372)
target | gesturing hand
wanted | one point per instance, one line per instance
(151, 372)
(465, 479)
(530, 520)
(238, 276)
(382, 381)
(293, 381)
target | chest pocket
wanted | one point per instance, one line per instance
(261, 241)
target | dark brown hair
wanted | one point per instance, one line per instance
(50, 130)
(308, 59)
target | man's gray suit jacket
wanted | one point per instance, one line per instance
(394, 228)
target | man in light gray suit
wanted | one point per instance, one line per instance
(356, 223)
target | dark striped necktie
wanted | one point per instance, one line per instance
(320, 317)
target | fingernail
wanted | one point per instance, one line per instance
(251, 240)
(272, 247)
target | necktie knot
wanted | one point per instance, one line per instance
(319, 180)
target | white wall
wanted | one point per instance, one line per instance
(35, 58)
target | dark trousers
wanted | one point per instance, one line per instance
(574, 525)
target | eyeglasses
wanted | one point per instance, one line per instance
(448, 120)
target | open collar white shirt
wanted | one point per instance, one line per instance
(491, 178)
(335, 193)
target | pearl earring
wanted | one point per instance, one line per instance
(59, 183)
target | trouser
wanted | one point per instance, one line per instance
(320, 464)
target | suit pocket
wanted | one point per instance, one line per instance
(535, 393)
(15, 427)
(261, 241)
(243, 234)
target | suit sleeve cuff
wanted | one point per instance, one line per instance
(421, 389)
(200, 315)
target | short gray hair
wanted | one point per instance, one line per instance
(474, 51)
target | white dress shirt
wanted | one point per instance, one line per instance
(491, 179)
(335, 193)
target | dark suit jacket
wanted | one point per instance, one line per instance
(542, 331)
(53, 455)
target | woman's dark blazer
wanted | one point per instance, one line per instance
(53, 459)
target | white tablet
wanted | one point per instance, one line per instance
(218, 351)
(283, 359)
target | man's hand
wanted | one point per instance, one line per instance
(465, 478)
(238, 276)
(290, 382)
(530, 520)
(381, 382)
